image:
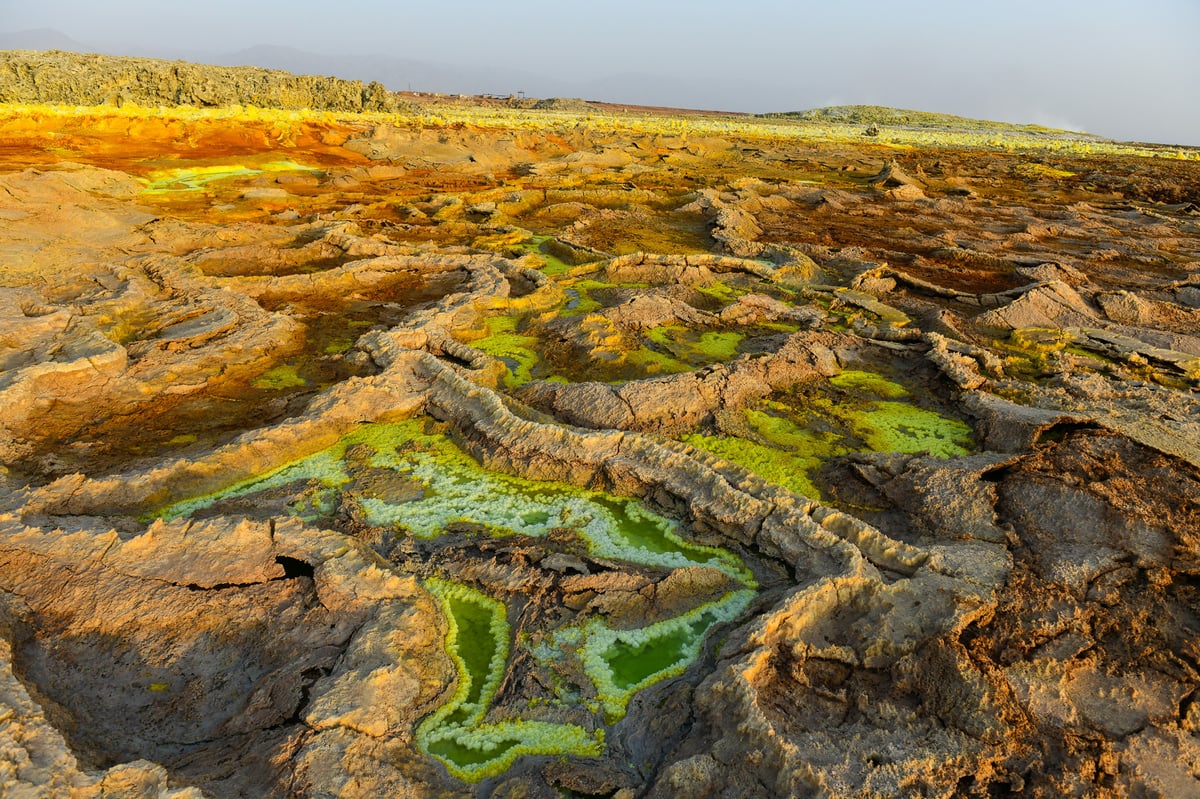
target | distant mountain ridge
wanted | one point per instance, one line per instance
(40, 39)
(398, 73)
(395, 72)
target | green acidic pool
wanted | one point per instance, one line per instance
(456, 733)
(622, 662)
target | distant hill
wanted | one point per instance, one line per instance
(39, 39)
(29, 76)
(905, 118)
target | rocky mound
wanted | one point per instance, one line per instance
(28, 76)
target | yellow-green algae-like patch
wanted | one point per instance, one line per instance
(552, 264)
(697, 348)
(649, 363)
(721, 293)
(892, 425)
(280, 378)
(195, 178)
(901, 427)
(518, 351)
(787, 468)
(786, 442)
(869, 383)
(477, 640)
(666, 350)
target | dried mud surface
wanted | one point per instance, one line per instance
(336, 451)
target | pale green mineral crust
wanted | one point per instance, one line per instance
(455, 489)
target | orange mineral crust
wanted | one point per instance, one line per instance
(510, 448)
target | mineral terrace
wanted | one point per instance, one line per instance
(483, 451)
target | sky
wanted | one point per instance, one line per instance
(1128, 70)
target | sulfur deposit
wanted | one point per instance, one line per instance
(474, 452)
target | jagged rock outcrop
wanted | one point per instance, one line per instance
(306, 616)
(28, 76)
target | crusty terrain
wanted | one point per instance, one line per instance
(940, 403)
(28, 76)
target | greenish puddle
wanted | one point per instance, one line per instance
(617, 664)
(580, 293)
(542, 247)
(457, 733)
(409, 481)
(788, 439)
(280, 378)
(518, 351)
(195, 178)
(622, 662)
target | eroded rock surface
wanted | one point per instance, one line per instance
(373, 460)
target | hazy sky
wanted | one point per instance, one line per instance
(1129, 70)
